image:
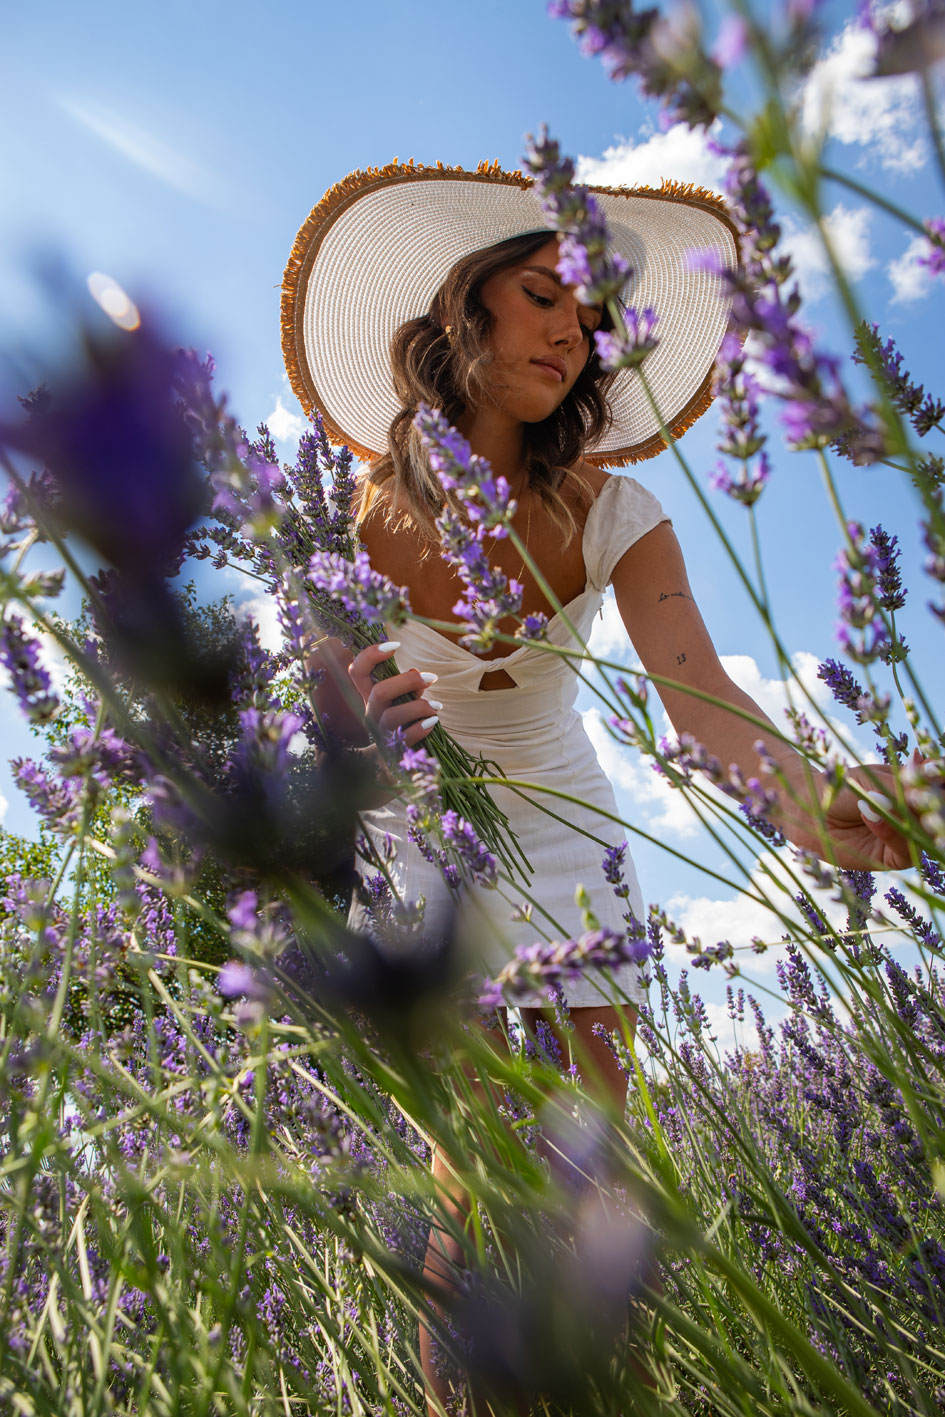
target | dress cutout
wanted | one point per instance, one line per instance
(537, 736)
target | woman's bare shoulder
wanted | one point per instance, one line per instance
(589, 480)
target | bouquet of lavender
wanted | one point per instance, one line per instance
(280, 526)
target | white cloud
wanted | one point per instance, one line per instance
(152, 154)
(740, 919)
(4, 804)
(664, 808)
(263, 610)
(608, 638)
(284, 425)
(848, 232)
(910, 280)
(680, 153)
(881, 116)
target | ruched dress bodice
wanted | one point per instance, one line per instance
(535, 734)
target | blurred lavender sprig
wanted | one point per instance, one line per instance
(934, 257)
(30, 681)
(540, 966)
(664, 52)
(742, 440)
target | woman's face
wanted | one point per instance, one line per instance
(541, 335)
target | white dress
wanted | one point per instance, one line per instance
(537, 736)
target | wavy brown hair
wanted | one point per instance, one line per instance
(450, 373)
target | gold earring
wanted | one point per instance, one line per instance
(448, 331)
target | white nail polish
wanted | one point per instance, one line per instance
(435, 704)
(389, 646)
(427, 677)
(867, 812)
(429, 722)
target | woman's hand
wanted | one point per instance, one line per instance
(415, 717)
(357, 712)
(860, 824)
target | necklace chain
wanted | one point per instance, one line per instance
(528, 526)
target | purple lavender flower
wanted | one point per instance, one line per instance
(462, 840)
(533, 627)
(540, 965)
(217, 438)
(868, 582)
(613, 867)
(245, 491)
(421, 767)
(911, 400)
(665, 53)
(235, 979)
(360, 589)
(29, 678)
(934, 258)
(120, 452)
(586, 260)
(933, 875)
(885, 549)
(489, 596)
(104, 754)
(58, 802)
(742, 439)
(243, 914)
(626, 350)
(485, 497)
(816, 408)
(263, 749)
(842, 684)
(610, 31)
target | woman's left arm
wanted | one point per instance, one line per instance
(662, 619)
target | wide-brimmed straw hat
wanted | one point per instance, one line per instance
(378, 246)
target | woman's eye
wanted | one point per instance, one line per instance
(543, 300)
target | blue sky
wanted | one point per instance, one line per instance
(178, 148)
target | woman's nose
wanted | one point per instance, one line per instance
(568, 331)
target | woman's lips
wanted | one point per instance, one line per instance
(552, 366)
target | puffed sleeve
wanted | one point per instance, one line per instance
(623, 512)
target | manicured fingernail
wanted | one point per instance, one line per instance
(389, 646)
(429, 722)
(427, 677)
(881, 800)
(435, 703)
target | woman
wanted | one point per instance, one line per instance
(485, 330)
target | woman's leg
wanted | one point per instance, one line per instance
(601, 1074)
(445, 1256)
